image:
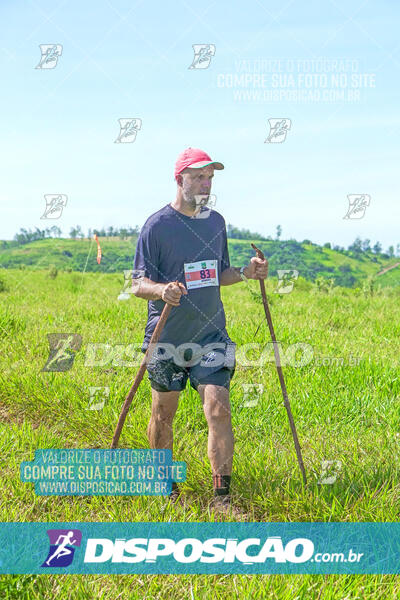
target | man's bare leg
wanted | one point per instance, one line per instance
(220, 445)
(163, 409)
(159, 430)
(217, 411)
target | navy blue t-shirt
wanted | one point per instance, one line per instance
(167, 241)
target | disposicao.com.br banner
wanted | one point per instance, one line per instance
(284, 548)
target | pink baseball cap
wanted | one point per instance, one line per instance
(195, 159)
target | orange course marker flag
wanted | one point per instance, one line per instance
(98, 248)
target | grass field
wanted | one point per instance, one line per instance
(345, 410)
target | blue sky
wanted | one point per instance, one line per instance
(124, 59)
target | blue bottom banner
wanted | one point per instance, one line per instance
(246, 548)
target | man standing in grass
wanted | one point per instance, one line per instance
(182, 253)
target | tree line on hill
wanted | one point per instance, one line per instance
(358, 249)
(121, 232)
(25, 236)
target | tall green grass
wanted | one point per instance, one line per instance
(343, 412)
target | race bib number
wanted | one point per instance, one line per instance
(201, 274)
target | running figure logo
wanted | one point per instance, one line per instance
(54, 206)
(357, 205)
(128, 130)
(62, 351)
(286, 279)
(50, 55)
(202, 55)
(251, 393)
(278, 129)
(61, 551)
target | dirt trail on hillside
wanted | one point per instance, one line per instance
(388, 269)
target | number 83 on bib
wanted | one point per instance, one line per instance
(201, 274)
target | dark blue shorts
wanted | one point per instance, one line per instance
(216, 367)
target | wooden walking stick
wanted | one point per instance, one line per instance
(280, 372)
(128, 400)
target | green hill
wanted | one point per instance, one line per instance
(75, 255)
(312, 261)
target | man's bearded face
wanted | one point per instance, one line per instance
(197, 182)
